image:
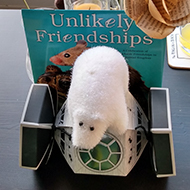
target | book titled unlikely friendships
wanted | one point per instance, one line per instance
(45, 118)
(50, 32)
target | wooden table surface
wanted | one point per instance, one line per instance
(14, 86)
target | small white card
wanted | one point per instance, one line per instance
(176, 57)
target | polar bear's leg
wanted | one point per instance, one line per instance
(121, 121)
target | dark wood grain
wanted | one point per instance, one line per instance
(14, 86)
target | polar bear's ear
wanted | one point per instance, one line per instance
(78, 116)
(98, 117)
(78, 113)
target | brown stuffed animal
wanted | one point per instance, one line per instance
(138, 89)
(62, 82)
(58, 81)
(59, 4)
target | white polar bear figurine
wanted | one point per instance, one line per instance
(97, 96)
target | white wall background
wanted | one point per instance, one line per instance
(19, 4)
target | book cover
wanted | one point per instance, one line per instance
(49, 32)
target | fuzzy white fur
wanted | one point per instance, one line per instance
(97, 95)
